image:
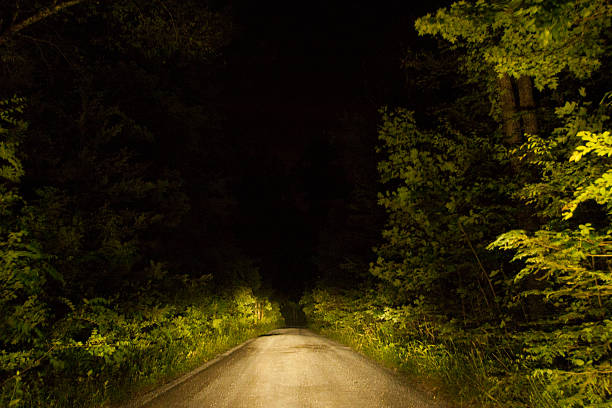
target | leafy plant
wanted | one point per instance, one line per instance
(570, 255)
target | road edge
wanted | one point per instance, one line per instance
(414, 382)
(141, 400)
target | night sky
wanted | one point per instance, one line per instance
(293, 72)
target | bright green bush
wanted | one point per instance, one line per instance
(406, 339)
(103, 350)
(568, 347)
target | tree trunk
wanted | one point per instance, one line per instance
(536, 307)
(527, 105)
(511, 122)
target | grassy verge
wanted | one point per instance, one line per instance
(111, 352)
(166, 366)
(463, 378)
(477, 368)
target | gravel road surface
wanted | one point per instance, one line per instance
(293, 368)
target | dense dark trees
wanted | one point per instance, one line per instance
(119, 261)
(441, 202)
(494, 161)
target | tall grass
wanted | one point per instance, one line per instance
(468, 367)
(463, 376)
(163, 365)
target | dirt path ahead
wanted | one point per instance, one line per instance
(290, 368)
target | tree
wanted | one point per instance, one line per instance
(25, 272)
(15, 22)
(441, 184)
(533, 38)
(525, 41)
(563, 248)
(158, 28)
(570, 255)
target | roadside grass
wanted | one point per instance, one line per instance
(128, 354)
(460, 377)
(165, 365)
(140, 372)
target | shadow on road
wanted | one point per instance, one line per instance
(280, 332)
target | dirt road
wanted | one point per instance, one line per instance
(293, 368)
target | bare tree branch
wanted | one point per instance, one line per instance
(40, 15)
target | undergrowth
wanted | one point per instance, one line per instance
(476, 371)
(126, 352)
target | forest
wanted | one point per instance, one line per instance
(430, 184)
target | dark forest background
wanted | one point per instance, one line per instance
(432, 189)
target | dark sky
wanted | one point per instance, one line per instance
(294, 69)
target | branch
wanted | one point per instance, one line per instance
(31, 366)
(484, 272)
(42, 14)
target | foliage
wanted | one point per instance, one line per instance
(440, 188)
(99, 213)
(163, 28)
(58, 348)
(155, 29)
(570, 255)
(528, 326)
(23, 270)
(117, 272)
(407, 339)
(104, 349)
(537, 38)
